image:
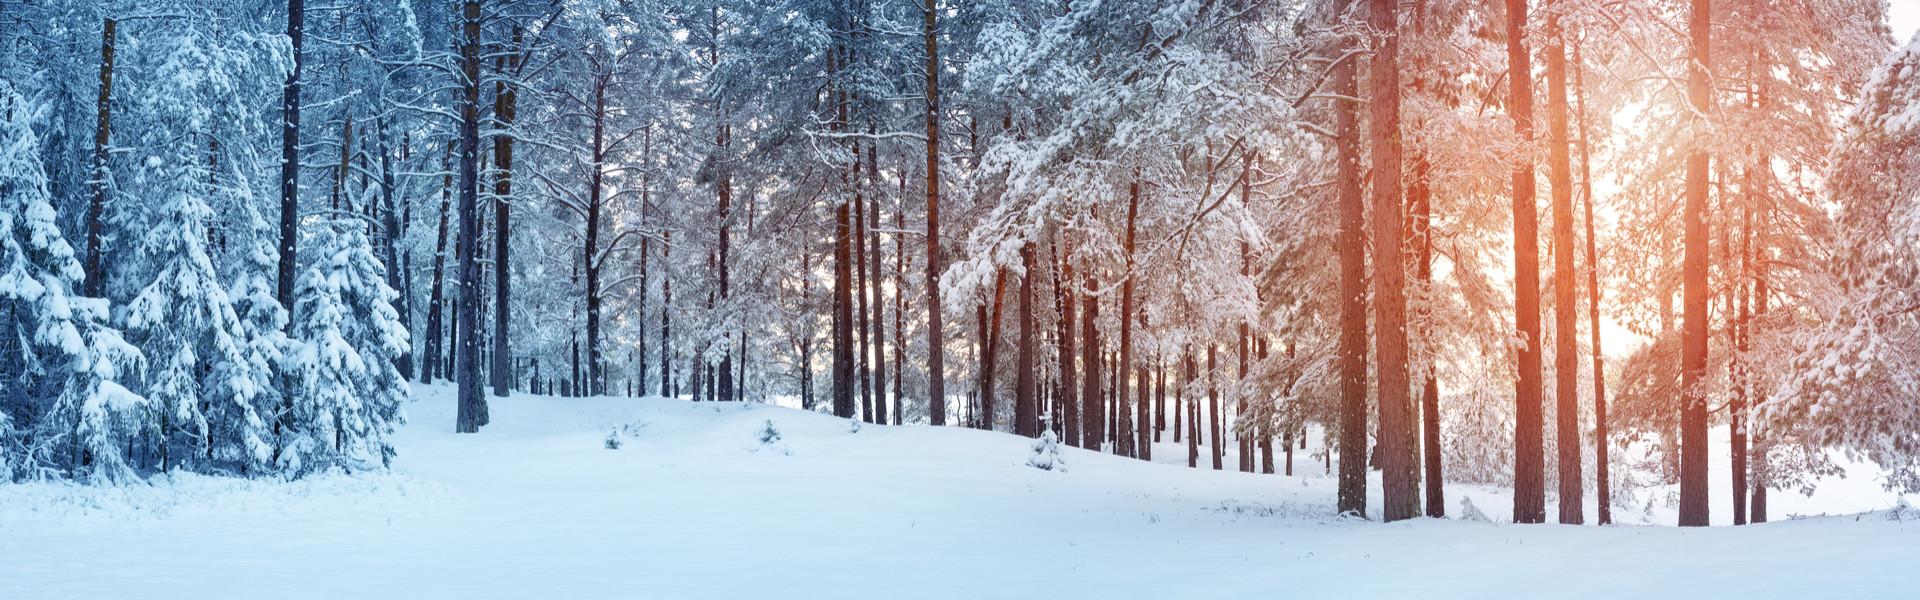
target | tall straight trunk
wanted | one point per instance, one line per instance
(1244, 334)
(646, 254)
(1026, 420)
(805, 343)
(900, 302)
(289, 156)
(1351, 349)
(1213, 407)
(1420, 195)
(1529, 475)
(1566, 356)
(472, 411)
(505, 95)
(989, 368)
(1193, 413)
(1398, 468)
(590, 251)
(666, 318)
(1758, 465)
(1068, 398)
(1132, 441)
(863, 347)
(1602, 491)
(936, 360)
(843, 401)
(1093, 413)
(1159, 399)
(437, 302)
(96, 276)
(723, 185)
(874, 280)
(1737, 405)
(1693, 335)
(390, 245)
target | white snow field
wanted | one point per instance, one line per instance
(695, 505)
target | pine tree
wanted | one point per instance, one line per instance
(75, 418)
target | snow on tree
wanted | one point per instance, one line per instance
(1852, 377)
(346, 392)
(68, 413)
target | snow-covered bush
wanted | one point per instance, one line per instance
(768, 434)
(1046, 454)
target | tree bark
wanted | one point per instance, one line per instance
(1566, 356)
(96, 275)
(1602, 491)
(289, 157)
(1093, 414)
(936, 361)
(1529, 477)
(437, 301)
(505, 94)
(874, 280)
(594, 374)
(1352, 346)
(843, 401)
(1694, 507)
(1132, 441)
(1068, 397)
(1026, 420)
(472, 411)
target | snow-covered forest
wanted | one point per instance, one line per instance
(1469, 263)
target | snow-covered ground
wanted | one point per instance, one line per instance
(695, 505)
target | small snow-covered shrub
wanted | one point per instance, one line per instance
(614, 440)
(1902, 511)
(768, 435)
(1046, 454)
(1469, 512)
(853, 426)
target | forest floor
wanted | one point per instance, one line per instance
(695, 505)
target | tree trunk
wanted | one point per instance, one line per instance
(1068, 397)
(1026, 420)
(1529, 476)
(1132, 441)
(1694, 291)
(989, 368)
(1213, 408)
(96, 276)
(874, 279)
(472, 412)
(863, 347)
(589, 254)
(1352, 346)
(1399, 469)
(390, 246)
(936, 361)
(289, 157)
(1193, 413)
(505, 94)
(1093, 414)
(1603, 495)
(431, 365)
(1420, 195)
(1566, 356)
(843, 405)
(900, 302)
(666, 317)
(646, 253)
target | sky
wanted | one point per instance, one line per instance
(1904, 16)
